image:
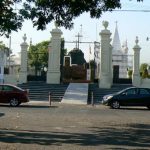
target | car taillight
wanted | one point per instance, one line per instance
(27, 91)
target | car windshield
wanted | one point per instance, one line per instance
(18, 88)
(12, 86)
(122, 91)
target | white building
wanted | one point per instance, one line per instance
(14, 65)
(121, 60)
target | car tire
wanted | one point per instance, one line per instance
(14, 102)
(115, 105)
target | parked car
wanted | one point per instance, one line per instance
(13, 95)
(132, 96)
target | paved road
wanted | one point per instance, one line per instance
(36, 126)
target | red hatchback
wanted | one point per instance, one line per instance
(13, 95)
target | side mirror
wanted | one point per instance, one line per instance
(123, 94)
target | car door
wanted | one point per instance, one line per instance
(2, 97)
(129, 97)
(144, 97)
(7, 93)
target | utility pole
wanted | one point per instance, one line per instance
(79, 35)
(78, 39)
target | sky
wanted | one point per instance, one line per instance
(130, 25)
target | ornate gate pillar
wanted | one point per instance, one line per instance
(136, 79)
(23, 67)
(53, 73)
(105, 78)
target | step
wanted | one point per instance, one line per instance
(76, 93)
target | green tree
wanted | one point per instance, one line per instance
(77, 56)
(4, 48)
(42, 12)
(63, 51)
(10, 19)
(130, 73)
(143, 70)
(92, 66)
(143, 67)
(38, 55)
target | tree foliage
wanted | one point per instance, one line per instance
(130, 73)
(63, 12)
(42, 12)
(63, 51)
(4, 48)
(143, 67)
(143, 70)
(10, 19)
(38, 55)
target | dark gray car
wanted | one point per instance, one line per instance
(132, 96)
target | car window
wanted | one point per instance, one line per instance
(7, 88)
(131, 92)
(1, 87)
(143, 91)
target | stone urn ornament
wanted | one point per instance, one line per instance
(105, 24)
(136, 40)
(24, 38)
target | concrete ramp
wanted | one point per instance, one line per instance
(76, 93)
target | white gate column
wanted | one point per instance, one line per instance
(53, 73)
(23, 67)
(105, 78)
(136, 79)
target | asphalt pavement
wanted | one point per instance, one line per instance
(38, 126)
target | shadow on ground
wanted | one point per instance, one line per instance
(2, 114)
(134, 135)
(36, 106)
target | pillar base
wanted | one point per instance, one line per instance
(53, 77)
(22, 77)
(104, 82)
(136, 80)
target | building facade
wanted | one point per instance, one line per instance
(121, 60)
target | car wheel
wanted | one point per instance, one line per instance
(115, 105)
(14, 102)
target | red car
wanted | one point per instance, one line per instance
(13, 95)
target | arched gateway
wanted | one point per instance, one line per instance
(53, 73)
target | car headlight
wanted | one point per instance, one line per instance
(107, 97)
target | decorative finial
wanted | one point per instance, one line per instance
(105, 24)
(116, 23)
(56, 25)
(24, 38)
(136, 40)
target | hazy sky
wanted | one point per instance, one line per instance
(130, 25)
